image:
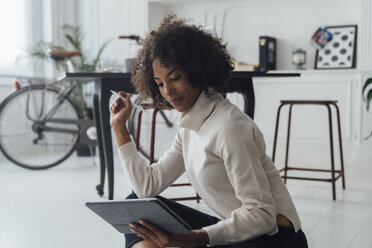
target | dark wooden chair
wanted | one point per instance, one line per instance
(152, 146)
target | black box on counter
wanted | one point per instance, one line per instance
(267, 53)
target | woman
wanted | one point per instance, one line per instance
(220, 149)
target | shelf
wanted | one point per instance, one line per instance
(320, 72)
(181, 2)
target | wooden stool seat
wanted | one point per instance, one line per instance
(319, 102)
(335, 174)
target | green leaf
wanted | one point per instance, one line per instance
(59, 48)
(369, 98)
(72, 37)
(368, 82)
(100, 51)
(39, 50)
(75, 44)
(87, 68)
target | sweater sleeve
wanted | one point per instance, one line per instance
(237, 146)
(149, 181)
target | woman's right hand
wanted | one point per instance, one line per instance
(120, 111)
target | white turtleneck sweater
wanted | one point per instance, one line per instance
(223, 154)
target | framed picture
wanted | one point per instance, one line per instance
(320, 38)
(340, 51)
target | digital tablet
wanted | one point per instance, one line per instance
(120, 213)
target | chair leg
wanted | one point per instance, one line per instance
(152, 144)
(276, 132)
(287, 146)
(340, 146)
(331, 151)
(138, 133)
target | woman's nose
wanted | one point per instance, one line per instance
(168, 89)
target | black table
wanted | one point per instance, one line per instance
(241, 82)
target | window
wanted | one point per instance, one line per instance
(13, 32)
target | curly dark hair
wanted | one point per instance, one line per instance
(191, 49)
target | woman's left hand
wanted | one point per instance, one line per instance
(162, 238)
(152, 233)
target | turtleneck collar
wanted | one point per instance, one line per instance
(200, 111)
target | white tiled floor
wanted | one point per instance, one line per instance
(43, 209)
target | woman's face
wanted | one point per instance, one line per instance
(174, 86)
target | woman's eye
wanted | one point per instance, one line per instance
(175, 78)
(160, 85)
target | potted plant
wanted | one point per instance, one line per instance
(71, 42)
(72, 39)
(367, 97)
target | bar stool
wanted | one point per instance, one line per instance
(152, 145)
(335, 174)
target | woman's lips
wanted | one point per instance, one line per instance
(176, 101)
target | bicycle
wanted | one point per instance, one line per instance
(41, 124)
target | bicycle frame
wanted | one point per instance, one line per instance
(53, 110)
(47, 117)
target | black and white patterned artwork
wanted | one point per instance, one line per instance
(338, 53)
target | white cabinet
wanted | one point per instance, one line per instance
(309, 122)
(309, 127)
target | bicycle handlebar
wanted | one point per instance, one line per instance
(131, 37)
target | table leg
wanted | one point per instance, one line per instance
(103, 90)
(101, 109)
(97, 123)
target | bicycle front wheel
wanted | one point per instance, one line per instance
(22, 139)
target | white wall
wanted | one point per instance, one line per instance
(290, 21)
(286, 20)
(105, 20)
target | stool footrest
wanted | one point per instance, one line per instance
(308, 169)
(197, 197)
(180, 184)
(314, 178)
(186, 198)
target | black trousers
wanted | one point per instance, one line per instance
(285, 238)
